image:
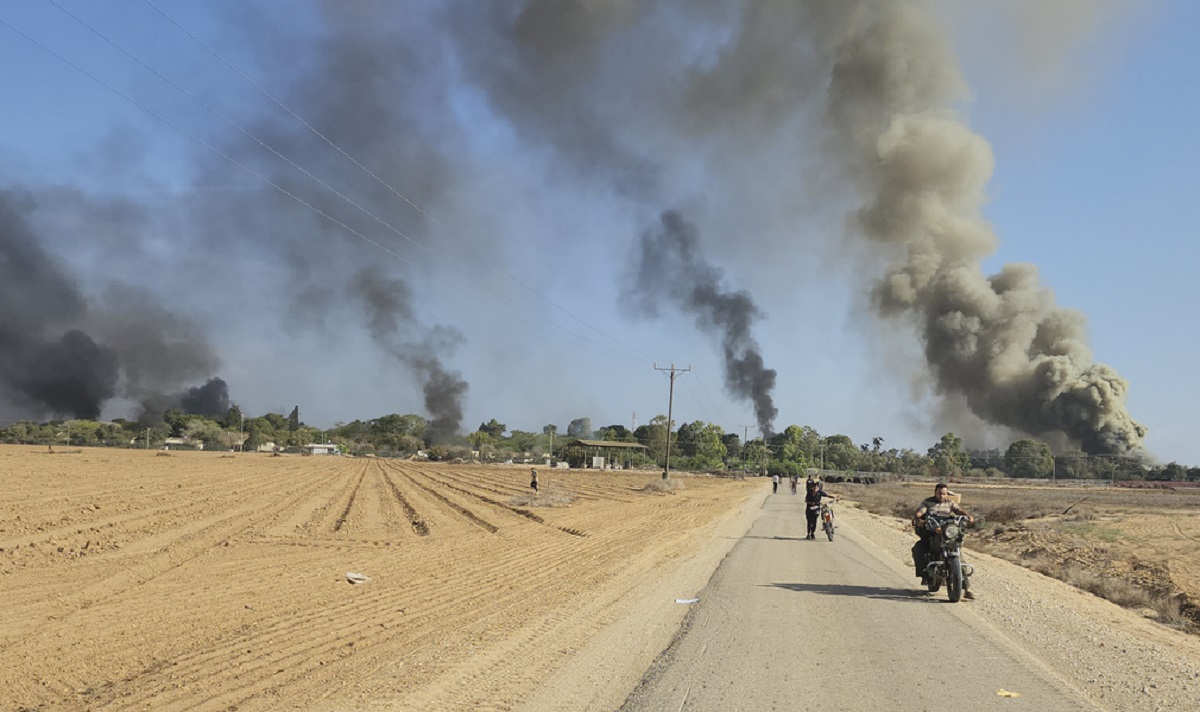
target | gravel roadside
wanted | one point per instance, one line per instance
(1117, 658)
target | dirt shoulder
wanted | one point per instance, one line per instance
(1118, 658)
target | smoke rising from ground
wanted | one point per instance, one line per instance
(388, 305)
(888, 80)
(999, 341)
(667, 266)
(65, 355)
(607, 110)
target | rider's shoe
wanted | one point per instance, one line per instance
(968, 595)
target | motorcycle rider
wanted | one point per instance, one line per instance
(939, 504)
(812, 504)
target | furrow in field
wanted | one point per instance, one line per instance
(471, 516)
(322, 637)
(519, 511)
(172, 549)
(410, 513)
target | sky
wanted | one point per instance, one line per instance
(879, 219)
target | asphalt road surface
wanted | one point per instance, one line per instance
(792, 624)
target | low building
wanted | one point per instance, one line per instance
(600, 454)
(322, 449)
(182, 444)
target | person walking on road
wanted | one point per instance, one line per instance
(774, 484)
(812, 505)
(533, 480)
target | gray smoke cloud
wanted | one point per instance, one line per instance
(667, 265)
(394, 325)
(63, 353)
(999, 341)
(373, 99)
(888, 80)
(734, 110)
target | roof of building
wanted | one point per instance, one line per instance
(608, 443)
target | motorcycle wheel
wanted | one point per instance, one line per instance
(829, 529)
(954, 582)
(935, 582)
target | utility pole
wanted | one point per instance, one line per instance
(745, 442)
(670, 404)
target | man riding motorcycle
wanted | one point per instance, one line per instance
(939, 504)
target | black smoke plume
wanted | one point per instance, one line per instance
(394, 326)
(64, 355)
(667, 265)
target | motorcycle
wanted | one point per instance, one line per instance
(945, 565)
(827, 520)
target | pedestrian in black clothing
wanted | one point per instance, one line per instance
(812, 505)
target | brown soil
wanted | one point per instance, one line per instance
(1147, 538)
(219, 582)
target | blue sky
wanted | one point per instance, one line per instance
(521, 248)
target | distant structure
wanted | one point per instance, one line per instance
(598, 454)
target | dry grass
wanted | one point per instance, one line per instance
(661, 486)
(549, 495)
(1079, 537)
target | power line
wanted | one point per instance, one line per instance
(433, 219)
(275, 152)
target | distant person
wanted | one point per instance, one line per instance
(774, 484)
(812, 505)
(533, 480)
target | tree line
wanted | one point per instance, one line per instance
(695, 446)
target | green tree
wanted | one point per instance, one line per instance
(795, 445)
(1029, 458)
(614, 433)
(948, 457)
(521, 441)
(479, 438)
(176, 420)
(1172, 472)
(294, 419)
(234, 419)
(707, 450)
(841, 453)
(654, 437)
(494, 428)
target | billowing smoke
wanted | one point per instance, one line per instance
(999, 341)
(668, 266)
(888, 80)
(394, 326)
(63, 355)
(210, 400)
(751, 113)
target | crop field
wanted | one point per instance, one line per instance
(189, 580)
(1137, 547)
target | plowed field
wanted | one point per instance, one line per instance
(130, 580)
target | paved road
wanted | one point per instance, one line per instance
(791, 624)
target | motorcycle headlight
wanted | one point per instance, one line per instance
(952, 531)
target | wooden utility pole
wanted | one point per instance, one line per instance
(670, 403)
(745, 442)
